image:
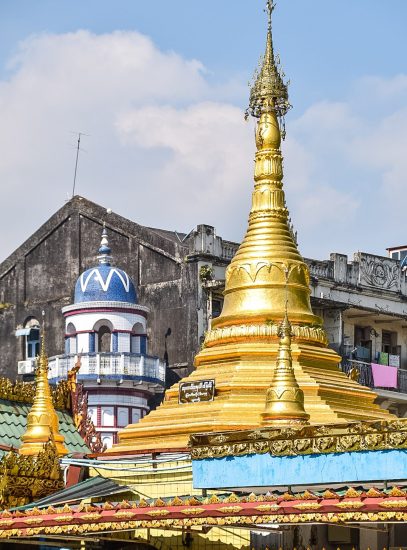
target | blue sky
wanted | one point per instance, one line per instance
(344, 154)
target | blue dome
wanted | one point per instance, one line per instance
(105, 283)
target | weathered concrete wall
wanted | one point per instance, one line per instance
(41, 275)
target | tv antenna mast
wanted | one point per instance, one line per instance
(78, 148)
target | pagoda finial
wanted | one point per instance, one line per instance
(270, 6)
(285, 399)
(269, 92)
(104, 250)
(42, 420)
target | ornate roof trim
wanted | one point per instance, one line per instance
(338, 438)
(351, 506)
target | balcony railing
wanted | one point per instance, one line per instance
(365, 375)
(103, 365)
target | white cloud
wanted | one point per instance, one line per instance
(169, 148)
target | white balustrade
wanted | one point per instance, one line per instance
(109, 364)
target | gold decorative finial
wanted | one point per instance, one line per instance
(270, 5)
(269, 92)
(42, 420)
(284, 398)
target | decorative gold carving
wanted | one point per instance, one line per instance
(264, 331)
(352, 493)
(397, 492)
(232, 498)
(269, 89)
(374, 493)
(267, 507)
(158, 513)
(124, 514)
(34, 521)
(192, 511)
(362, 436)
(76, 526)
(24, 392)
(176, 501)
(79, 408)
(27, 478)
(402, 503)
(307, 506)
(6, 522)
(64, 518)
(350, 504)
(230, 509)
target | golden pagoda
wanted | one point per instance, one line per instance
(42, 420)
(240, 350)
(284, 398)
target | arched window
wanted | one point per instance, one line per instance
(104, 338)
(103, 329)
(70, 339)
(32, 340)
(138, 339)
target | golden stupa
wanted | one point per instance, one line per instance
(42, 420)
(241, 348)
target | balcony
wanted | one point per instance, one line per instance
(103, 366)
(365, 375)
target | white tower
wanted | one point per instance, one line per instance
(107, 327)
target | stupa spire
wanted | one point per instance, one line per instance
(42, 420)
(255, 279)
(249, 344)
(269, 91)
(284, 398)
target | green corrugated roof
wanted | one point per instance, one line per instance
(13, 422)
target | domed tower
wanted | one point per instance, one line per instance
(107, 327)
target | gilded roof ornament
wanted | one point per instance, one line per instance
(284, 398)
(42, 420)
(269, 91)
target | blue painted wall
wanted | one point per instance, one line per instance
(264, 470)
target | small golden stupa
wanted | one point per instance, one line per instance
(42, 420)
(240, 350)
(284, 398)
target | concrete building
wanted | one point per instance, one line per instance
(41, 276)
(180, 278)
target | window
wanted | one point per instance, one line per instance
(93, 414)
(216, 308)
(135, 344)
(363, 344)
(107, 439)
(71, 346)
(104, 338)
(33, 343)
(135, 416)
(389, 343)
(107, 416)
(122, 416)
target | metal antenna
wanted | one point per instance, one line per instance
(78, 148)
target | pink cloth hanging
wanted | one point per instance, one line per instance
(384, 376)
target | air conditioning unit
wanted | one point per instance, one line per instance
(26, 367)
